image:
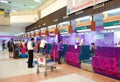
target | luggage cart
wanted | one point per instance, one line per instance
(43, 62)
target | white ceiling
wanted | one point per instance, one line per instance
(19, 20)
(19, 5)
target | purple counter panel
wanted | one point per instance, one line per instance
(105, 61)
(52, 39)
(54, 52)
(72, 55)
(69, 39)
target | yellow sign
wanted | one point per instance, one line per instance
(2, 12)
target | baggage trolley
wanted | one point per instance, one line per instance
(43, 62)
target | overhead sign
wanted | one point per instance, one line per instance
(43, 30)
(51, 28)
(112, 23)
(63, 27)
(76, 5)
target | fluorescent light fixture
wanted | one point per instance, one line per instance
(37, 0)
(64, 33)
(84, 30)
(32, 6)
(110, 27)
(51, 26)
(43, 29)
(4, 1)
(37, 30)
(111, 11)
(83, 18)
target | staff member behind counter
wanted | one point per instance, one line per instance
(30, 47)
(42, 44)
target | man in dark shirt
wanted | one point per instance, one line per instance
(59, 51)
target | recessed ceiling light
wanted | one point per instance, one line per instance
(37, 0)
(31, 6)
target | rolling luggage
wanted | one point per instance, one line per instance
(16, 54)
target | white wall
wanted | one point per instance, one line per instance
(18, 24)
(53, 7)
(4, 20)
(11, 30)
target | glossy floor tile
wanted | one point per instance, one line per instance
(15, 70)
(69, 78)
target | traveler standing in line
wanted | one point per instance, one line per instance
(30, 48)
(60, 47)
(3, 45)
(10, 47)
(42, 44)
(92, 50)
(38, 46)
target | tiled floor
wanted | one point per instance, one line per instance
(15, 70)
(69, 78)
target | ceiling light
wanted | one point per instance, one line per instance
(37, 0)
(4, 1)
(31, 6)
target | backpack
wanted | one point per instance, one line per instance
(9, 44)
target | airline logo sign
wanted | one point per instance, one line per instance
(63, 27)
(76, 5)
(51, 28)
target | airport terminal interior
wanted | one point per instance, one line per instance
(59, 40)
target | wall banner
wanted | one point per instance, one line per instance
(76, 5)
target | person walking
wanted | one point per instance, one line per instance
(30, 48)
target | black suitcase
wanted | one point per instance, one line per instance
(16, 54)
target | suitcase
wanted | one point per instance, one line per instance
(16, 54)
